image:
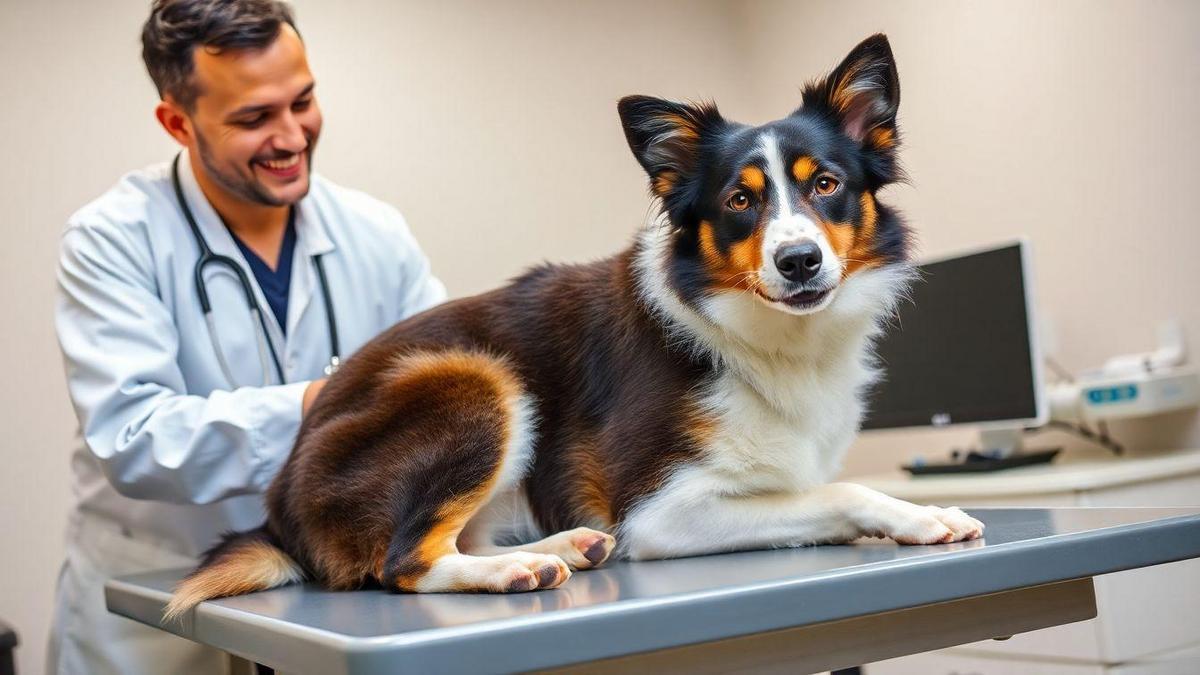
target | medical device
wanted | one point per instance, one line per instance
(266, 349)
(1133, 385)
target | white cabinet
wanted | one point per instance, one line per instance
(1149, 619)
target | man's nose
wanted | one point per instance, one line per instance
(798, 262)
(291, 136)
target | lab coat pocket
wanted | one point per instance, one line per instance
(114, 552)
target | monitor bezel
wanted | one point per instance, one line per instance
(1041, 405)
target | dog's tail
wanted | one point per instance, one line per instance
(243, 562)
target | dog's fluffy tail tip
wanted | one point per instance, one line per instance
(241, 563)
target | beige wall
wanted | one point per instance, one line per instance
(492, 126)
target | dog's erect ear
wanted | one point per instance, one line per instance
(863, 94)
(665, 136)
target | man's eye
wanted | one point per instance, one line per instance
(740, 201)
(251, 122)
(826, 185)
(302, 105)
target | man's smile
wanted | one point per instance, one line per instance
(281, 168)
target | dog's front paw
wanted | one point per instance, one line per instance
(934, 525)
(531, 571)
(964, 527)
(583, 548)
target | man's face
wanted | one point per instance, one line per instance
(256, 120)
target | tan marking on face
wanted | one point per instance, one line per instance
(753, 178)
(851, 243)
(867, 203)
(804, 168)
(840, 236)
(736, 270)
(708, 245)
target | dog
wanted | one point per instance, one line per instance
(693, 394)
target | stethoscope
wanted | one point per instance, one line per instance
(266, 349)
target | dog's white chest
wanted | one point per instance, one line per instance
(765, 443)
(785, 430)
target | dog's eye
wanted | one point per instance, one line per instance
(826, 185)
(740, 201)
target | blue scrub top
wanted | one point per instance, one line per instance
(274, 282)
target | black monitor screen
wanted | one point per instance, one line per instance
(959, 352)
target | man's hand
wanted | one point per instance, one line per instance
(310, 394)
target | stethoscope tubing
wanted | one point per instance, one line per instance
(265, 346)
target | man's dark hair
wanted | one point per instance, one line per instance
(177, 27)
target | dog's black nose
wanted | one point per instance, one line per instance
(799, 262)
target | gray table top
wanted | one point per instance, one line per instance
(626, 608)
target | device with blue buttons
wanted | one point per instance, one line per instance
(1132, 385)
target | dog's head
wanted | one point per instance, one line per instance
(784, 213)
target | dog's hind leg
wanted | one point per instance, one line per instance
(469, 438)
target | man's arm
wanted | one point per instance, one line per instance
(310, 394)
(120, 347)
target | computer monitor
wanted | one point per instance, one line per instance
(964, 349)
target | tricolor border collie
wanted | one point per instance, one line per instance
(692, 394)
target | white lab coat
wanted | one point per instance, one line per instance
(171, 456)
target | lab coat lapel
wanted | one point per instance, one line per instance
(311, 240)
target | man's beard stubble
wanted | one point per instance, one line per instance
(249, 189)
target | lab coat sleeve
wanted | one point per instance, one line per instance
(421, 289)
(119, 345)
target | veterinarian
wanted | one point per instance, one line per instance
(185, 419)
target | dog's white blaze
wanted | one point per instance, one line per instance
(787, 406)
(786, 227)
(776, 173)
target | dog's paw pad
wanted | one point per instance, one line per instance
(533, 571)
(597, 552)
(588, 548)
(520, 580)
(552, 575)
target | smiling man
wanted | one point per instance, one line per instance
(201, 302)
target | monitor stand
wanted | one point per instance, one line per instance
(1001, 448)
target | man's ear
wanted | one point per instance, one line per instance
(174, 121)
(862, 94)
(665, 136)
